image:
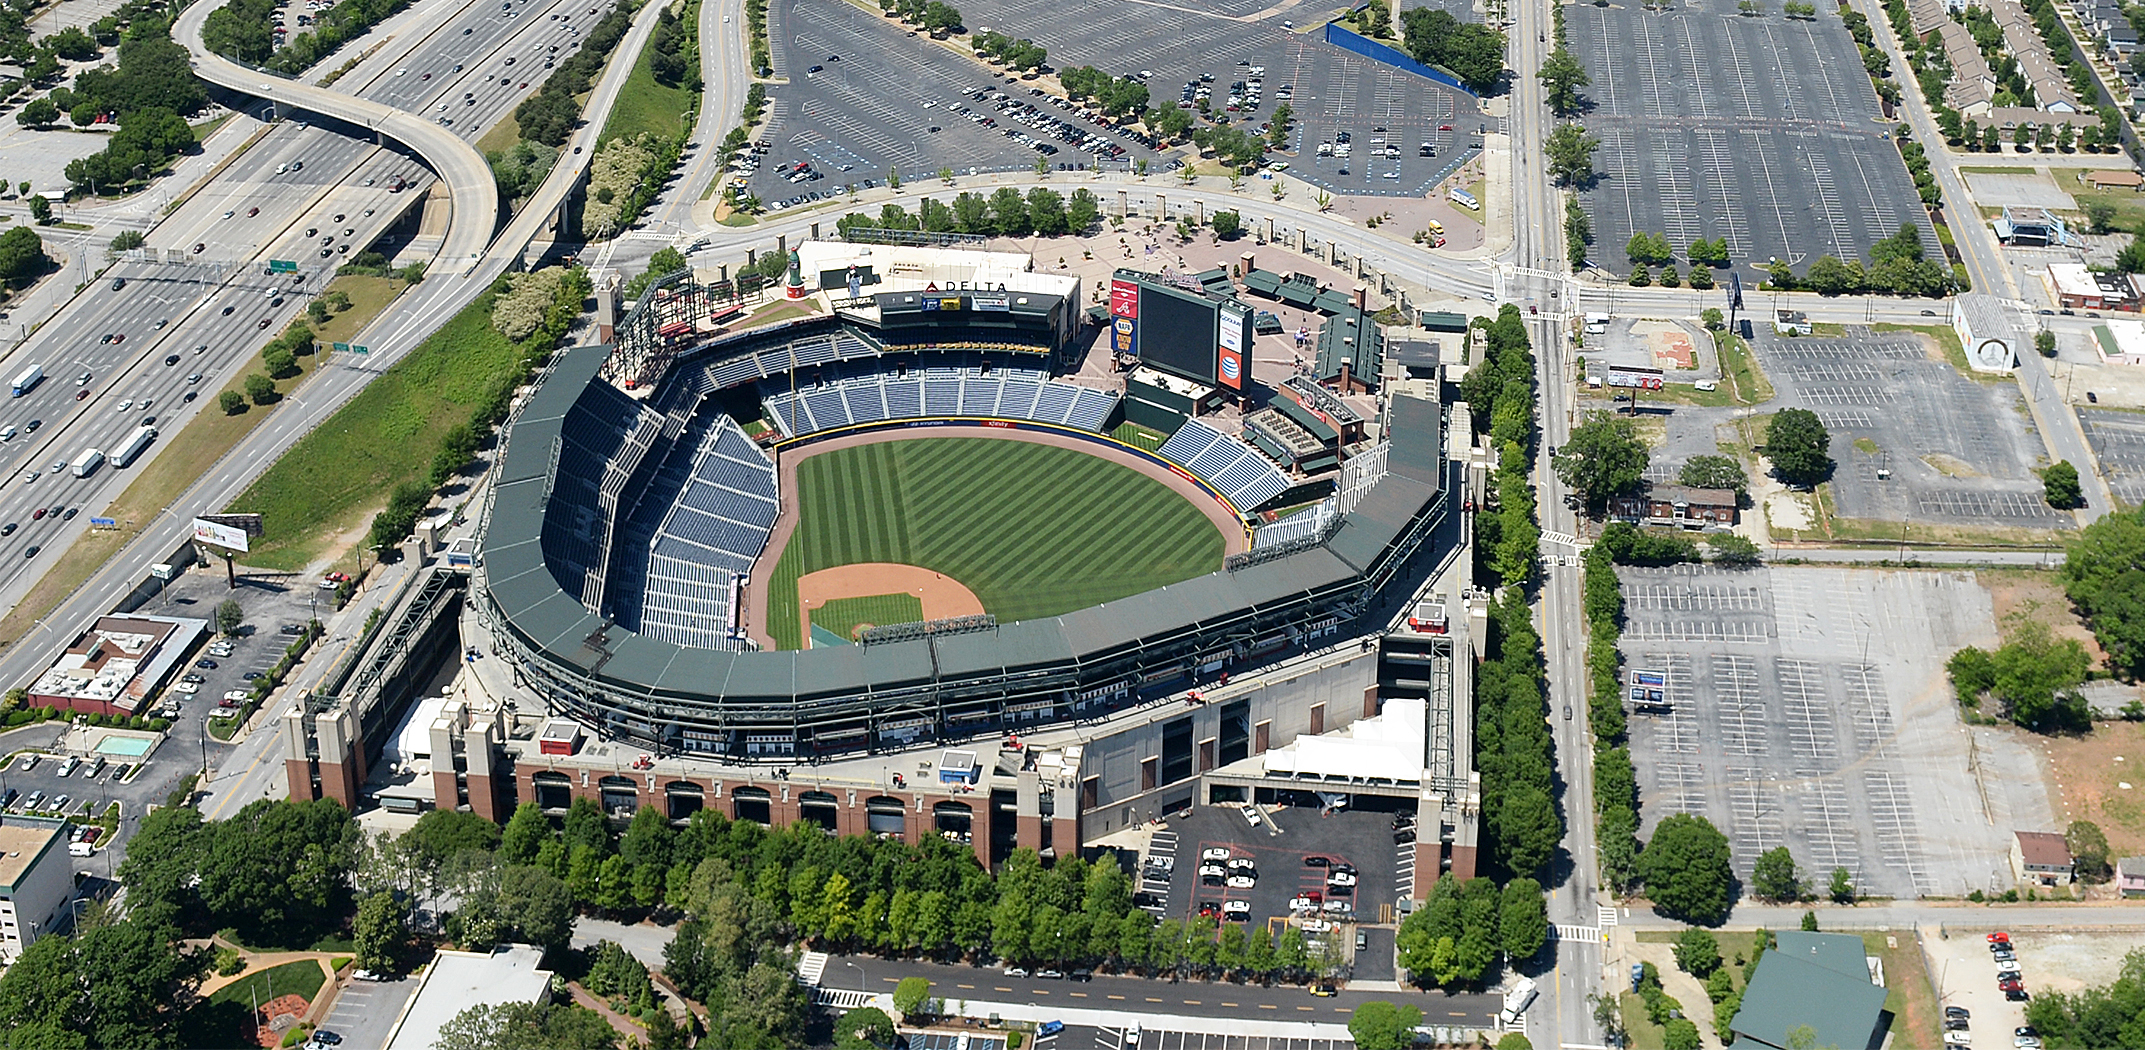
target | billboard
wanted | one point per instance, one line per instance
(992, 303)
(1124, 317)
(1231, 364)
(1638, 376)
(225, 536)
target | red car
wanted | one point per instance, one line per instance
(1209, 910)
(251, 212)
(38, 514)
(1999, 937)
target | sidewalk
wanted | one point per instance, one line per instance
(1222, 1026)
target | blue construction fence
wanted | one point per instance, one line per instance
(1391, 56)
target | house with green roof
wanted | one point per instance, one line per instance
(1818, 981)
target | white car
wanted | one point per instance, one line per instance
(1302, 904)
(1251, 814)
(1214, 853)
(1340, 878)
(1242, 881)
(126, 404)
(1316, 925)
(7, 434)
(402, 71)
(1213, 872)
(29, 476)
(188, 688)
(1340, 907)
(1239, 910)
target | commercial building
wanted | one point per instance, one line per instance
(113, 667)
(2075, 287)
(1822, 982)
(456, 981)
(36, 884)
(1986, 331)
(2041, 857)
(1678, 505)
(2030, 228)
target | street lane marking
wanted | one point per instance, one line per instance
(1268, 1006)
(1229, 1004)
(1193, 1002)
(1001, 989)
(1306, 1008)
(1077, 995)
(1117, 997)
(1152, 999)
(970, 986)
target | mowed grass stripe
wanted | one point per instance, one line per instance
(1034, 530)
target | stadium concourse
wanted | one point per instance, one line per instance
(1128, 662)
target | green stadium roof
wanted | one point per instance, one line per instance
(1807, 987)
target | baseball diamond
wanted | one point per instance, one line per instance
(1032, 529)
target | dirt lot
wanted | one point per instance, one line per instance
(2053, 961)
(2030, 594)
(2101, 778)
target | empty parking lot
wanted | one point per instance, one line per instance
(1760, 130)
(1808, 709)
(2118, 439)
(1914, 439)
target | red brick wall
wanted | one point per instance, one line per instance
(340, 782)
(1463, 863)
(298, 773)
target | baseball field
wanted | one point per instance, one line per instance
(1032, 530)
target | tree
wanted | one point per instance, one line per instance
(2099, 213)
(1380, 1025)
(1009, 213)
(2088, 849)
(1799, 447)
(1732, 550)
(1522, 919)
(1714, 472)
(2059, 486)
(1774, 877)
(1514, 1041)
(1562, 76)
(1602, 458)
(527, 1026)
(1685, 868)
(260, 388)
(42, 113)
(113, 985)
(232, 402)
(1472, 51)
(863, 1029)
(229, 614)
(1843, 887)
(1697, 952)
(1227, 224)
(1712, 317)
(911, 996)
(2045, 341)
(40, 210)
(1571, 153)
(1681, 1033)
(377, 934)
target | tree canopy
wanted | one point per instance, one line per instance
(1602, 458)
(1472, 51)
(1799, 447)
(1685, 868)
(1380, 1025)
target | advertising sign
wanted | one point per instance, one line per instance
(1231, 364)
(1125, 318)
(993, 303)
(1636, 376)
(224, 536)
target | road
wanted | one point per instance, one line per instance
(724, 74)
(1910, 914)
(474, 195)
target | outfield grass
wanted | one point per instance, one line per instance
(1139, 437)
(842, 616)
(340, 473)
(1032, 530)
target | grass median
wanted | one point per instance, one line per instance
(184, 457)
(332, 480)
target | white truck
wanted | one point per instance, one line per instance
(88, 462)
(1516, 1000)
(135, 444)
(28, 378)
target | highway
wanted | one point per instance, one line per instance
(192, 295)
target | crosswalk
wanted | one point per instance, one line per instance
(811, 967)
(1572, 932)
(1604, 916)
(841, 998)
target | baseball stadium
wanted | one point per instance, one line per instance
(889, 515)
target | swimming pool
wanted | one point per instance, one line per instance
(124, 746)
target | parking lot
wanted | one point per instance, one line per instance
(862, 111)
(1957, 450)
(365, 1011)
(864, 98)
(2118, 440)
(1760, 130)
(1967, 974)
(1806, 709)
(1276, 850)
